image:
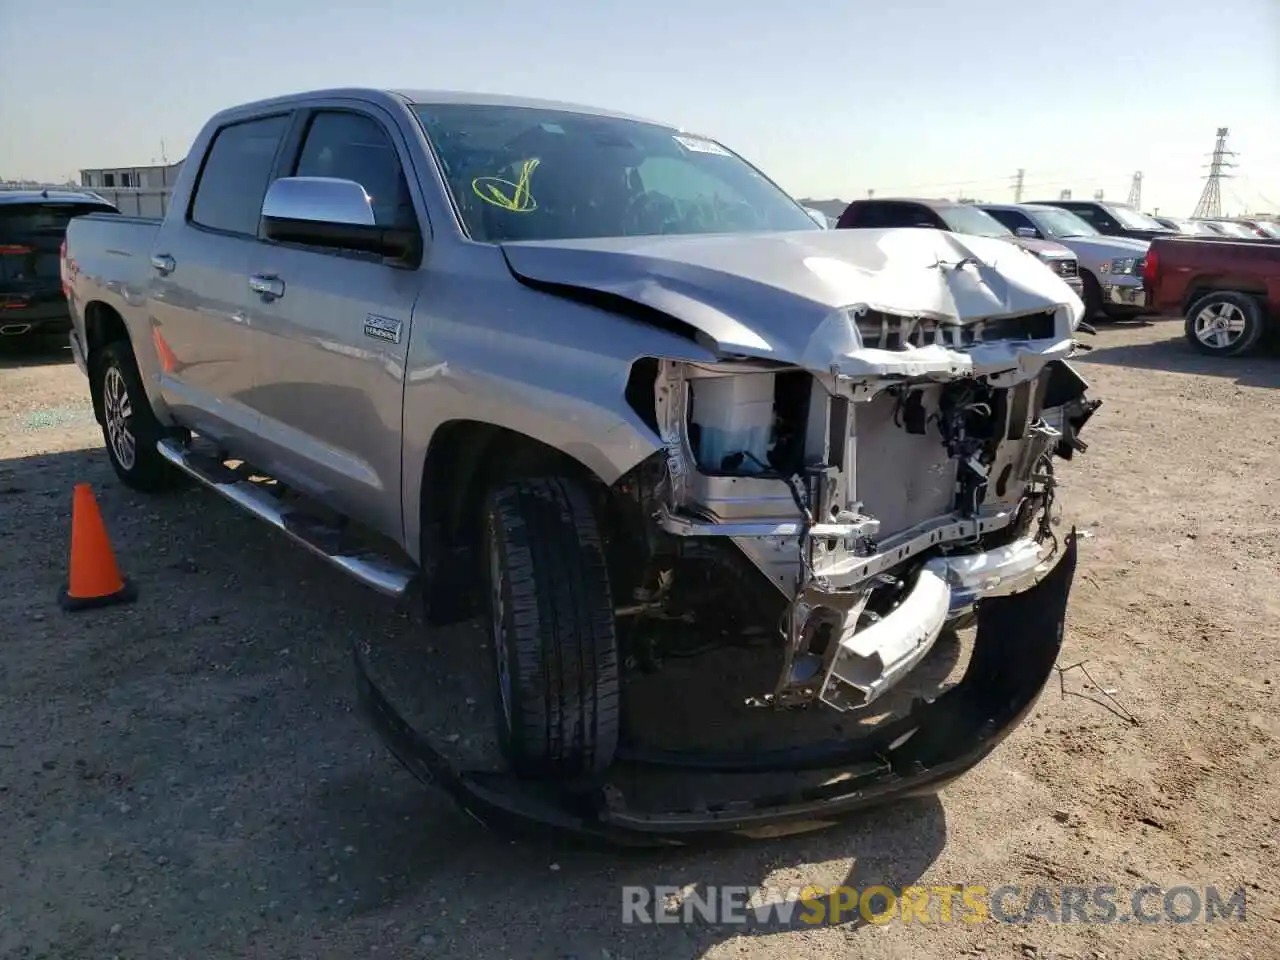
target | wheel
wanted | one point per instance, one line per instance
(1225, 323)
(129, 428)
(552, 630)
(1092, 295)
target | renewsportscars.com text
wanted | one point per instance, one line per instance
(965, 904)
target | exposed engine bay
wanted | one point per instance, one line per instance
(882, 502)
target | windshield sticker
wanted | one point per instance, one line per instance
(512, 197)
(698, 145)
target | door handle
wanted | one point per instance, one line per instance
(163, 263)
(267, 286)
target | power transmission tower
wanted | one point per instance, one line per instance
(1210, 205)
(1017, 185)
(1097, 194)
(1135, 191)
(1064, 195)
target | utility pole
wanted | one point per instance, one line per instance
(1135, 191)
(1017, 185)
(1210, 205)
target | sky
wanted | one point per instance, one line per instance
(832, 98)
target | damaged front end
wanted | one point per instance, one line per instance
(882, 493)
(846, 493)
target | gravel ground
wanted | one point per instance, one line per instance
(189, 776)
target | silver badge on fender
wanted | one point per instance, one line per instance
(382, 328)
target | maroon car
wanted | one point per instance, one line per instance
(1226, 291)
(958, 218)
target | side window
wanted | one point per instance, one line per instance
(235, 175)
(1089, 215)
(907, 215)
(353, 146)
(1013, 219)
(861, 215)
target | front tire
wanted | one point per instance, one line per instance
(1225, 323)
(1092, 295)
(552, 630)
(129, 427)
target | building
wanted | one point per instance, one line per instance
(144, 178)
(137, 191)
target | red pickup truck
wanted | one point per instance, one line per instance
(1227, 291)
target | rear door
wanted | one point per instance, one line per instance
(199, 287)
(334, 334)
(31, 234)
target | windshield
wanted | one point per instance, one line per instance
(31, 237)
(1133, 220)
(972, 221)
(1064, 224)
(527, 173)
(1269, 228)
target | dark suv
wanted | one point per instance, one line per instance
(32, 225)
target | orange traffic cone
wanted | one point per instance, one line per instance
(95, 580)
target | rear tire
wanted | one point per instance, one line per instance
(1225, 323)
(129, 427)
(552, 629)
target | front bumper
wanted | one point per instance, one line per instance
(1124, 294)
(871, 661)
(1018, 641)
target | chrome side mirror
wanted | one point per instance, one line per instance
(335, 214)
(318, 200)
(1029, 233)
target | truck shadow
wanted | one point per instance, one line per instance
(16, 352)
(225, 698)
(1175, 355)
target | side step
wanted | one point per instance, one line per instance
(373, 570)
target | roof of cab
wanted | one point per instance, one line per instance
(386, 97)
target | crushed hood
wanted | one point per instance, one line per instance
(774, 295)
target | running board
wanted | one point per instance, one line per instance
(373, 570)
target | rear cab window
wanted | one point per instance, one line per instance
(31, 239)
(235, 175)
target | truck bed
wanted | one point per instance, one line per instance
(108, 258)
(1181, 269)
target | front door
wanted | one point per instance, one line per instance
(335, 331)
(199, 292)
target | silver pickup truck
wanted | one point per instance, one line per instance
(1110, 266)
(583, 373)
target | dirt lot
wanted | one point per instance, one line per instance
(190, 777)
